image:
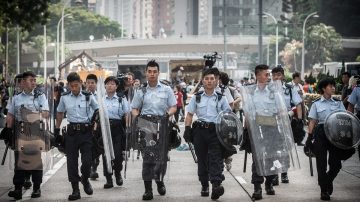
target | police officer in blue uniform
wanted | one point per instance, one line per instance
(292, 98)
(78, 106)
(207, 105)
(35, 101)
(155, 99)
(321, 146)
(117, 107)
(354, 103)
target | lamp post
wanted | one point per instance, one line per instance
(277, 38)
(303, 40)
(62, 31)
(57, 61)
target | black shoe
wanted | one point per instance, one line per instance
(269, 189)
(300, 144)
(93, 174)
(330, 188)
(257, 195)
(276, 180)
(284, 178)
(36, 193)
(75, 195)
(325, 196)
(161, 188)
(109, 182)
(27, 184)
(217, 191)
(119, 180)
(16, 194)
(148, 195)
(205, 191)
(87, 186)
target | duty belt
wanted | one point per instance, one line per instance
(204, 124)
(79, 126)
(115, 122)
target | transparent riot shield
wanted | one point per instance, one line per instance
(105, 126)
(152, 136)
(229, 130)
(32, 141)
(342, 129)
(269, 127)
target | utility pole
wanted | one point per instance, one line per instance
(260, 32)
(225, 33)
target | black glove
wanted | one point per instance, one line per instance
(6, 134)
(58, 138)
(187, 134)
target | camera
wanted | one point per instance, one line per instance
(122, 78)
(211, 59)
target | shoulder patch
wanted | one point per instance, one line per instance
(66, 93)
(37, 93)
(199, 92)
(316, 100)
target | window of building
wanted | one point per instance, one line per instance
(220, 12)
(254, 2)
(220, 23)
(253, 11)
(241, 12)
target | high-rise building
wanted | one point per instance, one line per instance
(142, 19)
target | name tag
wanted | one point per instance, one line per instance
(265, 120)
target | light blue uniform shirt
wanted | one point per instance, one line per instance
(354, 98)
(323, 107)
(264, 101)
(156, 101)
(209, 107)
(77, 109)
(296, 99)
(37, 104)
(115, 109)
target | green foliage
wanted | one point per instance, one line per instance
(25, 14)
(358, 58)
(310, 79)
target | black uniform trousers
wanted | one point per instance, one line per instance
(209, 152)
(321, 148)
(75, 141)
(118, 139)
(20, 175)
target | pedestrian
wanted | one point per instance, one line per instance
(354, 102)
(321, 147)
(78, 105)
(292, 99)
(207, 104)
(179, 102)
(117, 107)
(35, 101)
(154, 101)
(346, 90)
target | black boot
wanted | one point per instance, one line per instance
(148, 195)
(119, 179)
(75, 195)
(93, 174)
(109, 182)
(269, 189)
(284, 178)
(87, 186)
(217, 190)
(161, 188)
(330, 188)
(204, 189)
(27, 183)
(325, 196)
(36, 191)
(276, 180)
(257, 195)
(16, 194)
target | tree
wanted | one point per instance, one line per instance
(323, 44)
(25, 14)
(37, 43)
(290, 55)
(358, 58)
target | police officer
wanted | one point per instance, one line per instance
(321, 147)
(207, 105)
(354, 104)
(35, 101)
(117, 106)
(78, 106)
(143, 103)
(90, 83)
(292, 98)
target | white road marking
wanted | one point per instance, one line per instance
(240, 179)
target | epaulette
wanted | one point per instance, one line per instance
(86, 92)
(65, 93)
(18, 92)
(165, 82)
(336, 99)
(316, 100)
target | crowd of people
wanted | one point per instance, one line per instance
(138, 117)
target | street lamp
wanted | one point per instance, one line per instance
(57, 43)
(277, 38)
(314, 14)
(62, 30)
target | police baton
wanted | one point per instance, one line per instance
(311, 166)
(5, 153)
(245, 162)
(192, 150)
